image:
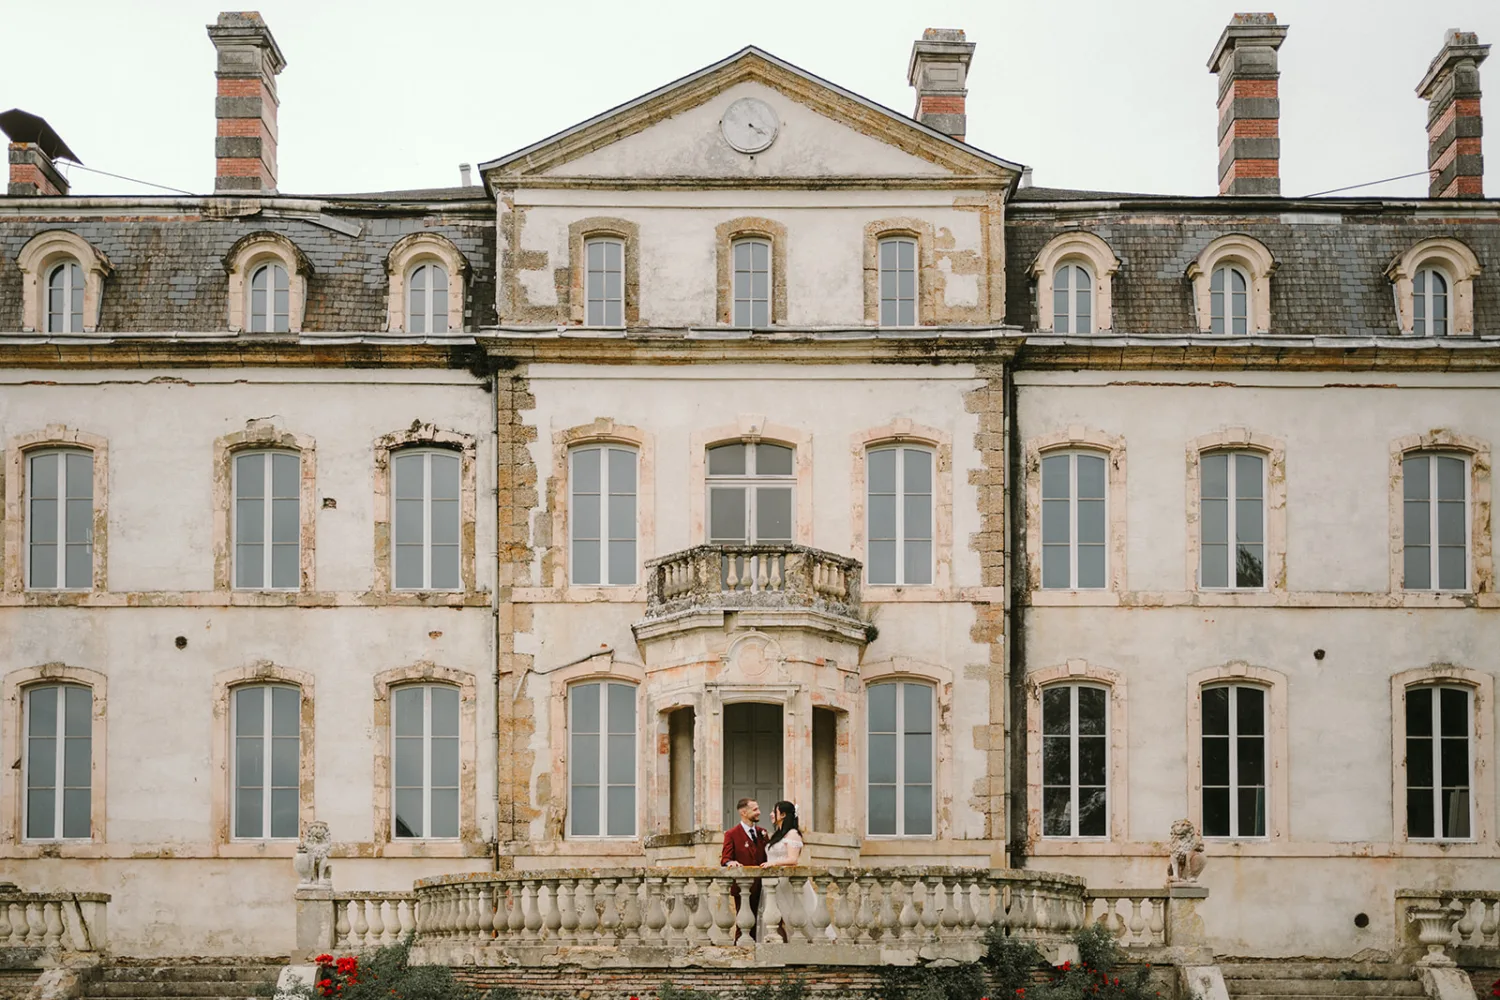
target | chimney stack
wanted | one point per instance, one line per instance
(249, 59)
(1249, 110)
(938, 69)
(34, 150)
(1455, 163)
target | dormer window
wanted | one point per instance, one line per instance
(1232, 286)
(62, 283)
(1434, 285)
(427, 299)
(65, 298)
(1429, 300)
(270, 296)
(1074, 276)
(1072, 299)
(267, 284)
(1229, 299)
(427, 285)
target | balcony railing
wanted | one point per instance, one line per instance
(657, 917)
(35, 927)
(753, 576)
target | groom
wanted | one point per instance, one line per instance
(744, 847)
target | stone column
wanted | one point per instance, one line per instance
(315, 923)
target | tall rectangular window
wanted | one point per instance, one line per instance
(60, 520)
(601, 760)
(1075, 761)
(1435, 521)
(1439, 763)
(604, 283)
(898, 282)
(898, 512)
(602, 518)
(750, 492)
(426, 519)
(1234, 761)
(267, 520)
(752, 283)
(59, 728)
(901, 759)
(267, 760)
(1232, 515)
(425, 760)
(1073, 521)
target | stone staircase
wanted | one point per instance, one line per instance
(1292, 980)
(159, 979)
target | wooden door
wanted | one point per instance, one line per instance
(752, 758)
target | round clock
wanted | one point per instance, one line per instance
(750, 125)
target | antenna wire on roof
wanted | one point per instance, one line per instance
(1351, 187)
(122, 177)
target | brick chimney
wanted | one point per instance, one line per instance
(33, 154)
(1455, 163)
(938, 69)
(1249, 110)
(249, 59)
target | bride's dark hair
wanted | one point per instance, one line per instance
(788, 812)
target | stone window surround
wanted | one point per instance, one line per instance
(940, 678)
(1278, 796)
(1481, 750)
(469, 842)
(37, 258)
(555, 802)
(425, 248)
(940, 442)
(248, 253)
(726, 234)
(1274, 451)
(1075, 672)
(750, 428)
(1079, 438)
(225, 682)
(555, 556)
(418, 436)
(52, 436)
(1457, 262)
(579, 233)
(15, 685)
(262, 436)
(1481, 562)
(1072, 248)
(1249, 254)
(912, 228)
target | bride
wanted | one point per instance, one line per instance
(783, 850)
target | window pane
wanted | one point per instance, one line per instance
(284, 812)
(1215, 760)
(1450, 477)
(1091, 711)
(882, 562)
(918, 708)
(445, 477)
(584, 814)
(620, 760)
(882, 810)
(773, 514)
(917, 470)
(409, 762)
(918, 810)
(1057, 811)
(586, 471)
(1055, 527)
(586, 561)
(1419, 813)
(882, 470)
(408, 475)
(1249, 568)
(773, 460)
(444, 522)
(1247, 476)
(621, 800)
(1091, 522)
(1415, 484)
(882, 708)
(1252, 812)
(1250, 711)
(445, 573)
(1215, 472)
(621, 515)
(1216, 711)
(1056, 571)
(918, 562)
(445, 763)
(1091, 755)
(284, 763)
(918, 511)
(585, 759)
(1419, 762)
(1055, 477)
(1215, 812)
(882, 512)
(1093, 812)
(249, 812)
(1419, 711)
(1056, 710)
(1091, 566)
(726, 514)
(408, 812)
(1057, 760)
(80, 475)
(1060, 305)
(906, 255)
(726, 460)
(249, 711)
(918, 757)
(1453, 707)
(444, 702)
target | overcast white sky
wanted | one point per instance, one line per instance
(380, 94)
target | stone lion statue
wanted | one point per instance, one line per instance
(311, 861)
(1187, 859)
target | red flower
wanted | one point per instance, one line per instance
(324, 960)
(348, 964)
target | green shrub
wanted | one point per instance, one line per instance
(387, 974)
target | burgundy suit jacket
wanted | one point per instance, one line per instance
(738, 847)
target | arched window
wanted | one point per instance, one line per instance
(1235, 760)
(425, 761)
(425, 518)
(898, 281)
(750, 486)
(604, 287)
(901, 717)
(65, 298)
(1435, 520)
(899, 515)
(427, 299)
(1072, 299)
(267, 520)
(1232, 520)
(60, 519)
(601, 759)
(1075, 760)
(1229, 301)
(1429, 300)
(266, 725)
(1439, 762)
(270, 300)
(59, 757)
(602, 522)
(752, 283)
(1074, 520)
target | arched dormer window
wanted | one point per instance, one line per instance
(1074, 276)
(62, 283)
(427, 279)
(1434, 286)
(267, 284)
(1232, 286)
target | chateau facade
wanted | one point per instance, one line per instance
(752, 439)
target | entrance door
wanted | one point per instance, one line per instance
(752, 758)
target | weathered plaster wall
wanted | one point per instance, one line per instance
(1337, 838)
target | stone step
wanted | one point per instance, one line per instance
(177, 988)
(1276, 969)
(1263, 989)
(192, 973)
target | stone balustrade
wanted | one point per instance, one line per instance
(1461, 924)
(669, 917)
(365, 920)
(1138, 917)
(35, 927)
(752, 576)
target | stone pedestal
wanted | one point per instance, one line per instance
(315, 923)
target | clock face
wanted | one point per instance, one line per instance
(749, 125)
